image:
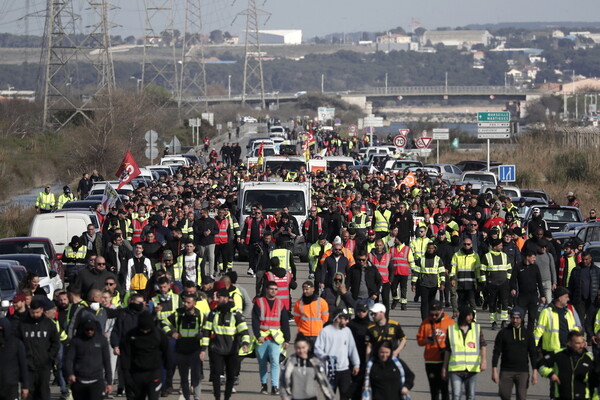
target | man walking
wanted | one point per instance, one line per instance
(335, 345)
(516, 345)
(497, 270)
(526, 284)
(466, 354)
(428, 278)
(270, 324)
(311, 312)
(465, 273)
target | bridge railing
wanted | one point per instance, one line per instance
(441, 90)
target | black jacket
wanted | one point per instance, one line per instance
(111, 258)
(527, 280)
(515, 346)
(126, 321)
(13, 356)
(41, 341)
(326, 271)
(145, 352)
(89, 279)
(578, 373)
(372, 279)
(202, 225)
(575, 283)
(88, 358)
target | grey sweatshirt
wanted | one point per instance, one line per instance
(545, 262)
(338, 343)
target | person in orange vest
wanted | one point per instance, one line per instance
(403, 262)
(311, 312)
(382, 260)
(223, 240)
(270, 324)
(283, 279)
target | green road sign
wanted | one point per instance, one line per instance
(501, 116)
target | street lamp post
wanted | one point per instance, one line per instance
(322, 83)
(229, 86)
(386, 83)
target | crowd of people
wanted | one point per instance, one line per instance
(159, 293)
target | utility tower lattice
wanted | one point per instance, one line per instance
(192, 77)
(160, 35)
(62, 89)
(254, 83)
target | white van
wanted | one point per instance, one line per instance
(60, 227)
(98, 187)
(175, 160)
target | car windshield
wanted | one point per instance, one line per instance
(510, 192)
(272, 201)
(33, 264)
(480, 178)
(595, 252)
(277, 165)
(6, 282)
(23, 247)
(406, 164)
(331, 165)
(559, 215)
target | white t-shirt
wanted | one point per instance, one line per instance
(190, 267)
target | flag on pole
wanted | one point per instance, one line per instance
(409, 180)
(311, 137)
(261, 152)
(306, 150)
(127, 171)
(109, 198)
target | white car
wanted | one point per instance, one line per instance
(249, 120)
(448, 171)
(41, 266)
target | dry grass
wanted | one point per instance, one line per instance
(15, 221)
(543, 162)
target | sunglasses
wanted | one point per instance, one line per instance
(110, 284)
(468, 244)
(362, 259)
(100, 263)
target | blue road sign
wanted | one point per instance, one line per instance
(507, 173)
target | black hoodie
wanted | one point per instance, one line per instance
(88, 358)
(13, 356)
(41, 340)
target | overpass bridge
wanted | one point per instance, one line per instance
(361, 97)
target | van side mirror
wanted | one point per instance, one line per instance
(53, 274)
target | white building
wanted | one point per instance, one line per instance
(458, 38)
(280, 36)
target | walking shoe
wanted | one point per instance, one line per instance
(222, 379)
(275, 391)
(311, 276)
(250, 271)
(484, 306)
(403, 307)
(264, 389)
(454, 315)
(494, 326)
(394, 304)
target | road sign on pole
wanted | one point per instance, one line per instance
(404, 132)
(400, 141)
(492, 125)
(440, 134)
(507, 173)
(423, 142)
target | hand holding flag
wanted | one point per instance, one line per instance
(127, 171)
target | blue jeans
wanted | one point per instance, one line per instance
(456, 383)
(268, 352)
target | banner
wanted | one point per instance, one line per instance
(409, 180)
(127, 171)
(109, 198)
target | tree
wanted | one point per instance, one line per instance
(129, 39)
(216, 36)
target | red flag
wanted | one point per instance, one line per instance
(127, 171)
(311, 137)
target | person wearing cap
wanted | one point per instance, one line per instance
(334, 263)
(335, 346)
(497, 269)
(270, 324)
(536, 222)
(45, 201)
(145, 352)
(87, 363)
(402, 263)
(567, 262)
(572, 200)
(369, 243)
(75, 252)
(18, 310)
(402, 219)
(428, 277)
(65, 197)
(516, 346)
(465, 274)
(42, 341)
(224, 333)
(310, 312)
(465, 355)
(526, 285)
(432, 335)
(382, 329)
(555, 322)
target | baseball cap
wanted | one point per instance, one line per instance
(361, 306)
(517, 311)
(47, 304)
(377, 307)
(308, 283)
(370, 232)
(570, 194)
(535, 209)
(167, 255)
(19, 297)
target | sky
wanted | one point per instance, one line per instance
(315, 17)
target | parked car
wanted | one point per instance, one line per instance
(448, 171)
(34, 245)
(11, 274)
(555, 216)
(99, 187)
(40, 265)
(475, 165)
(536, 194)
(397, 165)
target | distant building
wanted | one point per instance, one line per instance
(282, 36)
(459, 38)
(393, 38)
